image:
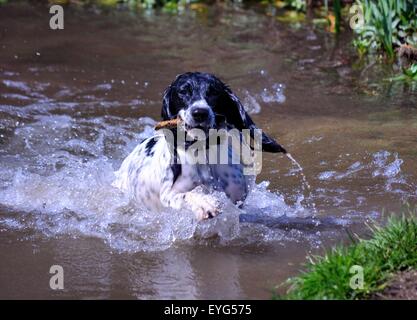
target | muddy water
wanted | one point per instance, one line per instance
(75, 102)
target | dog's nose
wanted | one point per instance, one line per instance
(200, 114)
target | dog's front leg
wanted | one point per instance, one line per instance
(204, 206)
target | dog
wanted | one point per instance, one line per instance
(151, 174)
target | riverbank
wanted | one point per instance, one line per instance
(382, 267)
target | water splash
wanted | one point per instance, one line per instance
(56, 177)
(382, 164)
(305, 184)
(80, 201)
(275, 94)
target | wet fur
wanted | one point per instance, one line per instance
(152, 177)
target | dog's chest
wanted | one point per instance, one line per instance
(220, 177)
(228, 178)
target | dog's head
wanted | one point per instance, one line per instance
(202, 101)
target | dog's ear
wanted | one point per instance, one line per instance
(236, 115)
(166, 113)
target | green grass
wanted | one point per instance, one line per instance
(392, 248)
(337, 6)
(408, 74)
(387, 25)
(299, 5)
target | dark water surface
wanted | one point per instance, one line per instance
(75, 102)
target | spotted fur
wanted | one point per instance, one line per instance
(152, 176)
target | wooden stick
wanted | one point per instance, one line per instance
(168, 124)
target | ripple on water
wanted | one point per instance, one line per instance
(79, 200)
(60, 179)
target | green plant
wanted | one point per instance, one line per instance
(167, 5)
(299, 5)
(408, 74)
(387, 24)
(391, 249)
(148, 4)
(337, 7)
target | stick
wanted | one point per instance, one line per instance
(168, 124)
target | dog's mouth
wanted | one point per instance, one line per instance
(219, 122)
(196, 131)
(203, 127)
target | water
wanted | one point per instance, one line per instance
(74, 104)
(305, 185)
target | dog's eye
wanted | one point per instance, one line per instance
(184, 91)
(212, 92)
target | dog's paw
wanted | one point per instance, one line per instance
(205, 207)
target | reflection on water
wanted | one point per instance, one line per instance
(74, 103)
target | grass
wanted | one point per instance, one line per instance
(387, 25)
(391, 249)
(408, 74)
(338, 14)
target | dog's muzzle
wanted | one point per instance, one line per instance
(199, 115)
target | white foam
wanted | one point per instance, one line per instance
(57, 175)
(275, 94)
(79, 200)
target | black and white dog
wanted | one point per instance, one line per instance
(151, 174)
